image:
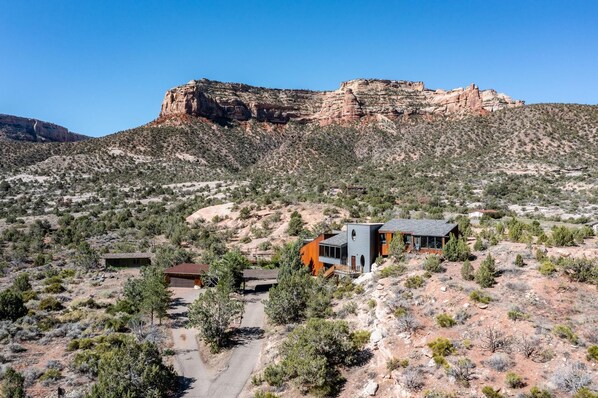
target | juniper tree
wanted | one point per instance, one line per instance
(486, 272)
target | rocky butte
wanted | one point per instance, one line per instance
(353, 100)
(25, 129)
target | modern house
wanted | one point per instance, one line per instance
(127, 259)
(354, 250)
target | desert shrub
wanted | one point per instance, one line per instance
(432, 264)
(478, 245)
(13, 384)
(480, 296)
(519, 261)
(562, 236)
(360, 338)
(528, 346)
(486, 273)
(580, 269)
(593, 353)
(499, 362)
(124, 306)
(494, 340)
(311, 356)
(408, 323)
(462, 316)
(12, 306)
(513, 380)
(51, 374)
(515, 314)
(456, 249)
(412, 378)
(547, 268)
(467, 271)
(490, 392)
(50, 304)
(348, 308)
(585, 392)
(54, 288)
(371, 304)
(572, 378)
(441, 347)
(393, 270)
(537, 392)
(565, 332)
(265, 394)
(462, 371)
(414, 282)
(21, 283)
(445, 321)
(395, 363)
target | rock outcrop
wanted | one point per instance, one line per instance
(24, 129)
(355, 99)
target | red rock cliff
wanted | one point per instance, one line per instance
(354, 99)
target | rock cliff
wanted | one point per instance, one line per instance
(354, 100)
(24, 129)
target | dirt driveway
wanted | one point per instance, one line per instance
(228, 382)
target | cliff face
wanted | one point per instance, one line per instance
(25, 129)
(354, 100)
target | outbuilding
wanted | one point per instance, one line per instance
(186, 275)
(127, 259)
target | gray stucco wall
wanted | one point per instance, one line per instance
(362, 242)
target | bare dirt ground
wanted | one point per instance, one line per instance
(544, 301)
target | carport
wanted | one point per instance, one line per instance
(259, 279)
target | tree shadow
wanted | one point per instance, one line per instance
(184, 384)
(244, 335)
(363, 357)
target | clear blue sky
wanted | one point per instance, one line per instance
(98, 67)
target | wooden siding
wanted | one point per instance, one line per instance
(310, 255)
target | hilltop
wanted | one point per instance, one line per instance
(17, 128)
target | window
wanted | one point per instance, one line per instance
(362, 261)
(407, 239)
(353, 235)
(382, 239)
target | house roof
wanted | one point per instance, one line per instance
(419, 227)
(187, 269)
(336, 240)
(127, 255)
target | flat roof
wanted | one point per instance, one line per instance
(336, 240)
(127, 255)
(260, 274)
(419, 227)
(187, 269)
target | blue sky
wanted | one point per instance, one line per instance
(98, 67)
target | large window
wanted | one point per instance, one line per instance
(431, 242)
(331, 251)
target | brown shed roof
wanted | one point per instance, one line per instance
(127, 255)
(187, 269)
